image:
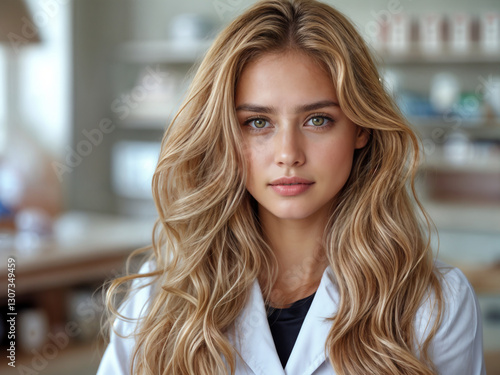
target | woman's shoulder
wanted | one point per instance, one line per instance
(457, 346)
(116, 358)
(452, 280)
(459, 298)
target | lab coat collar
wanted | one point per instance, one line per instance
(252, 336)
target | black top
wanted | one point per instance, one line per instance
(285, 325)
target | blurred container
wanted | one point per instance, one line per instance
(492, 94)
(154, 95)
(460, 32)
(470, 108)
(391, 81)
(33, 329)
(133, 165)
(489, 32)
(431, 32)
(444, 92)
(415, 105)
(376, 31)
(399, 33)
(457, 148)
(189, 28)
(34, 220)
(85, 312)
(34, 227)
(12, 189)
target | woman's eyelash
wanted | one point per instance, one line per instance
(315, 115)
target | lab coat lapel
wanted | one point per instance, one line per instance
(308, 352)
(253, 339)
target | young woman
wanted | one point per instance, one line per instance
(289, 238)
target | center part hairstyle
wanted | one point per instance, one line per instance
(208, 246)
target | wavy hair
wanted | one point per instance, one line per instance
(208, 246)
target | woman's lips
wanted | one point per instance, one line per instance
(291, 190)
(290, 180)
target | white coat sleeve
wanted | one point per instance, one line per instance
(117, 357)
(457, 348)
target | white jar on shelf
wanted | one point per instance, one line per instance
(489, 32)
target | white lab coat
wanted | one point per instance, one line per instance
(457, 349)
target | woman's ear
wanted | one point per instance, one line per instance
(362, 137)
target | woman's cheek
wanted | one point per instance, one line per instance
(255, 147)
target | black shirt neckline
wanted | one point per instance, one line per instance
(297, 310)
(285, 325)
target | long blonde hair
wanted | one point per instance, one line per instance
(208, 247)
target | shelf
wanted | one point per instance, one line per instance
(173, 52)
(490, 165)
(162, 52)
(415, 56)
(159, 124)
(476, 129)
(465, 123)
(465, 217)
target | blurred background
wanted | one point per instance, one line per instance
(87, 88)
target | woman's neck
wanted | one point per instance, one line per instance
(297, 245)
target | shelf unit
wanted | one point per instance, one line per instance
(469, 229)
(175, 58)
(477, 129)
(414, 55)
(149, 118)
(415, 69)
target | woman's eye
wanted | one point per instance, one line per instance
(258, 123)
(318, 121)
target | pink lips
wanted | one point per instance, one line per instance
(289, 186)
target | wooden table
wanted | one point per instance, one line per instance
(84, 247)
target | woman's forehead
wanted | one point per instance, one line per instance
(291, 78)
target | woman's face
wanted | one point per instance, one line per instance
(293, 127)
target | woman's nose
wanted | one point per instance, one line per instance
(288, 147)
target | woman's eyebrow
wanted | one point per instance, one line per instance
(298, 109)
